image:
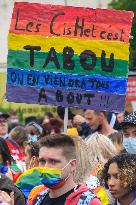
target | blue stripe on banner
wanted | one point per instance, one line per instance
(62, 97)
(18, 77)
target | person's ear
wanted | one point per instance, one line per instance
(33, 158)
(101, 115)
(25, 143)
(33, 162)
(73, 164)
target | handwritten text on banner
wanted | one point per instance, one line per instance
(69, 56)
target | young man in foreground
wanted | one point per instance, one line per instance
(57, 165)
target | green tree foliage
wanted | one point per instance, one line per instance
(129, 5)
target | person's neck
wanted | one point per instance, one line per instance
(69, 184)
(3, 136)
(126, 200)
(106, 129)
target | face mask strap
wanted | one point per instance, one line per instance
(67, 178)
(65, 167)
(67, 164)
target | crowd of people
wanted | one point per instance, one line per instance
(94, 163)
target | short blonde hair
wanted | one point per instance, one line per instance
(100, 150)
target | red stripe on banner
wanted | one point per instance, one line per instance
(97, 31)
(88, 23)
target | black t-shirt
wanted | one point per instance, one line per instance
(56, 201)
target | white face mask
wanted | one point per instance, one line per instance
(14, 121)
(32, 138)
(130, 144)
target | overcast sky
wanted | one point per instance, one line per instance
(91, 3)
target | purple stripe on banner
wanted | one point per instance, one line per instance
(82, 99)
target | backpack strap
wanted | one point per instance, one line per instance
(86, 198)
(38, 200)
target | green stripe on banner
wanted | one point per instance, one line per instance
(21, 60)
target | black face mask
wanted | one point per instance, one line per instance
(98, 129)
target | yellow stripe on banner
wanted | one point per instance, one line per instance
(120, 49)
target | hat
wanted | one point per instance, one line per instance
(129, 119)
(4, 115)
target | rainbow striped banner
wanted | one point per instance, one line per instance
(69, 56)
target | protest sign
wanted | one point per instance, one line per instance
(25, 109)
(68, 56)
(131, 89)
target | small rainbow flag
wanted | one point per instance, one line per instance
(33, 177)
(28, 180)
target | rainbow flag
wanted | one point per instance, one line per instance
(28, 180)
(69, 56)
(33, 177)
